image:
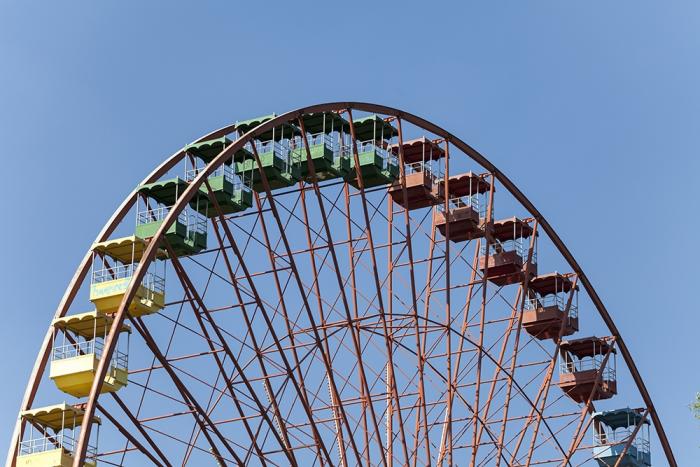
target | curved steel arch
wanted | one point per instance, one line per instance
(192, 189)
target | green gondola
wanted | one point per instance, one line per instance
(273, 150)
(231, 195)
(188, 234)
(377, 165)
(324, 133)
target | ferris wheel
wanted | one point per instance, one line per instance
(344, 284)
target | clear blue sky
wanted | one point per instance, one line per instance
(592, 108)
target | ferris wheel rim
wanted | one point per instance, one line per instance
(194, 186)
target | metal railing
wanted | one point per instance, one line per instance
(226, 170)
(319, 138)
(369, 146)
(621, 436)
(316, 139)
(521, 246)
(557, 300)
(280, 150)
(49, 443)
(458, 202)
(151, 281)
(94, 346)
(194, 221)
(586, 364)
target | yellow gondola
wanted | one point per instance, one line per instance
(55, 442)
(110, 281)
(75, 357)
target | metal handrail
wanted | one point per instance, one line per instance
(457, 202)
(91, 347)
(552, 300)
(316, 139)
(521, 247)
(119, 271)
(586, 364)
(280, 149)
(194, 221)
(49, 443)
(227, 171)
(386, 157)
(622, 436)
(151, 281)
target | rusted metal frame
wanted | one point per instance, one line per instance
(259, 427)
(439, 374)
(551, 374)
(179, 440)
(543, 394)
(370, 241)
(130, 437)
(175, 359)
(361, 389)
(484, 422)
(465, 322)
(319, 303)
(177, 324)
(547, 374)
(201, 308)
(421, 357)
(589, 408)
(140, 428)
(282, 304)
(493, 421)
(448, 315)
(546, 227)
(556, 240)
(631, 438)
(337, 420)
(259, 301)
(268, 321)
(199, 413)
(210, 409)
(414, 297)
(482, 319)
(355, 332)
(516, 343)
(312, 321)
(195, 407)
(488, 322)
(584, 429)
(521, 198)
(430, 291)
(390, 311)
(170, 415)
(553, 435)
(501, 356)
(160, 393)
(210, 270)
(110, 341)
